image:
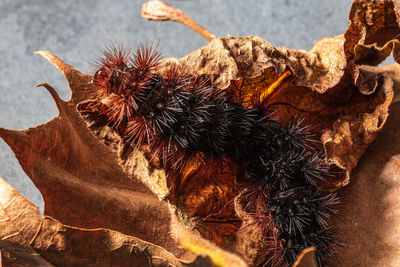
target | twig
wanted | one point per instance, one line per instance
(159, 11)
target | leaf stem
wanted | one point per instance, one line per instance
(159, 11)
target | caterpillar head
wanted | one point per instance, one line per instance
(120, 81)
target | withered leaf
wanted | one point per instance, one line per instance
(84, 184)
(371, 36)
(14, 254)
(90, 178)
(318, 89)
(373, 32)
(206, 194)
(27, 239)
(306, 258)
(75, 171)
(369, 216)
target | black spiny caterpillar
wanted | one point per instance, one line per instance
(179, 116)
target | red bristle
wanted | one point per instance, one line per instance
(170, 154)
(270, 252)
(256, 199)
(179, 159)
(139, 132)
(165, 149)
(175, 78)
(120, 82)
(273, 253)
(117, 109)
(146, 58)
(114, 59)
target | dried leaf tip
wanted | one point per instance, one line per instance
(159, 11)
(306, 258)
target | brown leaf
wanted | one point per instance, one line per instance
(394, 71)
(369, 216)
(250, 237)
(75, 171)
(191, 241)
(13, 254)
(306, 258)
(19, 220)
(27, 239)
(373, 32)
(206, 193)
(319, 89)
(80, 84)
(90, 177)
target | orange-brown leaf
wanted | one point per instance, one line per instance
(306, 258)
(318, 89)
(90, 178)
(27, 239)
(81, 181)
(369, 216)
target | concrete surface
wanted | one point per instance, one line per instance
(77, 30)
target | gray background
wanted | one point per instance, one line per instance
(77, 30)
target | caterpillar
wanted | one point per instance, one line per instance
(179, 116)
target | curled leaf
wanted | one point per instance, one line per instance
(320, 88)
(373, 32)
(96, 187)
(369, 216)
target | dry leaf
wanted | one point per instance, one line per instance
(14, 254)
(27, 239)
(199, 194)
(306, 258)
(90, 178)
(318, 89)
(369, 216)
(74, 171)
(373, 32)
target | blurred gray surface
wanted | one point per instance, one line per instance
(77, 30)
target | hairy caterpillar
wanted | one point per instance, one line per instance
(179, 116)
